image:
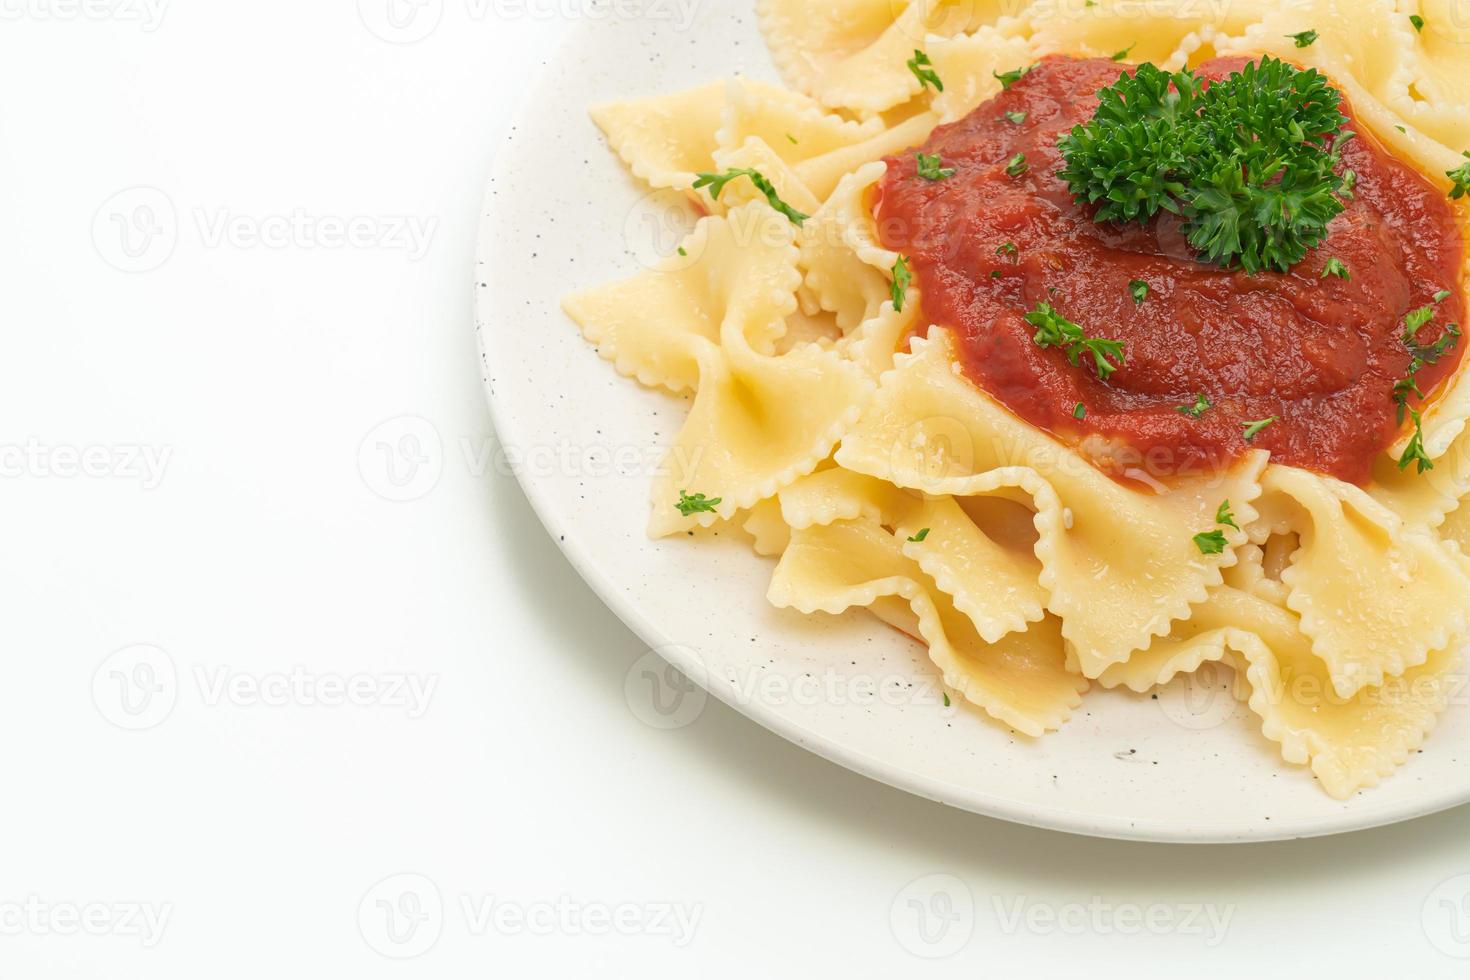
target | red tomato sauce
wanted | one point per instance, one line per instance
(1320, 354)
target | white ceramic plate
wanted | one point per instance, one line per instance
(561, 214)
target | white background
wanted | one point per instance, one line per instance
(212, 409)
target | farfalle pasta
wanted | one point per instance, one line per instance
(998, 325)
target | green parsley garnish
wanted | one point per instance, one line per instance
(1248, 162)
(716, 183)
(902, 277)
(923, 70)
(1420, 356)
(1017, 165)
(1080, 412)
(1016, 117)
(923, 533)
(1305, 39)
(1414, 451)
(946, 699)
(930, 169)
(1009, 248)
(1225, 517)
(1009, 78)
(1431, 353)
(995, 273)
(1414, 320)
(696, 504)
(1461, 176)
(1201, 406)
(794, 141)
(1139, 290)
(1442, 295)
(1120, 55)
(681, 250)
(1253, 429)
(1055, 330)
(1210, 542)
(1417, 21)
(1335, 267)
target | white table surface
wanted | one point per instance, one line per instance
(205, 425)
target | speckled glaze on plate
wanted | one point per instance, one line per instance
(561, 213)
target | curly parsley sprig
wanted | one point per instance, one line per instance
(1248, 162)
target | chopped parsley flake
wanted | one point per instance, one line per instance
(1017, 165)
(1210, 542)
(1417, 21)
(1225, 517)
(1253, 429)
(1055, 330)
(946, 699)
(1305, 39)
(923, 70)
(1201, 406)
(902, 278)
(1415, 320)
(1080, 412)
(1461, 176)
(1016, 117)
(923, 533)
(930, 167)
(696, 504)
(1139, 290)
(793, 139)
(1335, 267)
(1009, 78)
(1442, 295)
(681, 250)
(716, 183)
(1414, 451)
(1120, 55)
(1009, 248)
